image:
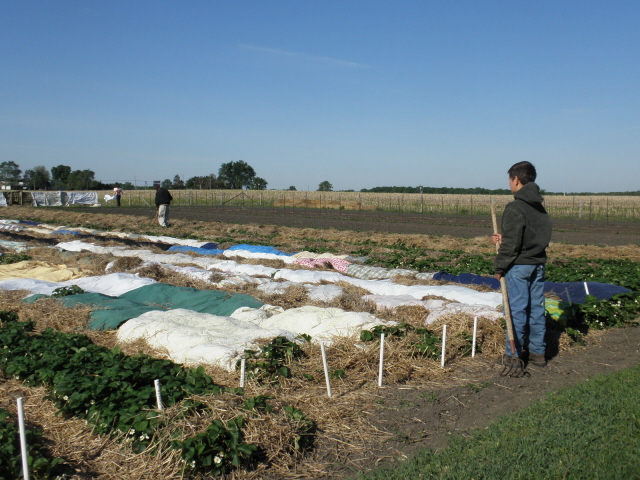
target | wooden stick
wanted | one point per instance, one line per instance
(503, 288)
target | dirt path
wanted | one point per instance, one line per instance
(427, 416)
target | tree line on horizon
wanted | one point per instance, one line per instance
(233, 175)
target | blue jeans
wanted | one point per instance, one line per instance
(525, 287)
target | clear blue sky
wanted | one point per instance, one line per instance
(360, 93)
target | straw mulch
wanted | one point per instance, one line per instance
(343, 422)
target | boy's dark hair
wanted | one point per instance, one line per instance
(525, 171)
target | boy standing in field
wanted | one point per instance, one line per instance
(521, 258)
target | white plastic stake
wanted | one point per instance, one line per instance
(326, 369)
(475, 333)
(156, 383)
(586, 288)
(243, 365)
(380, 368)
(23, 440)
(444, 344)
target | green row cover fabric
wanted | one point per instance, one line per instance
(111, 312)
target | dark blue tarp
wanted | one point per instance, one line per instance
(568, 291)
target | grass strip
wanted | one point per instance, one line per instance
(590, 430)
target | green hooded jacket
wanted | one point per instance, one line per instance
(526, 230)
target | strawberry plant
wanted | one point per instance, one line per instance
(41, 464)
(615, 312)
(112, 391)
(430, 344)
(270, 361)
(216, 450)
(400, 330)
(67, 291)
(304, 437)
(9, 258)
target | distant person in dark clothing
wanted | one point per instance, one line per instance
(163, 199)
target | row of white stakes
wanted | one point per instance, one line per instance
(381, 361)
(23, 437)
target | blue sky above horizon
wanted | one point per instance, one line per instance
(360, 93)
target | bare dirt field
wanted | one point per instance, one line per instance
(565, 230)
(422, 413)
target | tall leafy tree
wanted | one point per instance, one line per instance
(236, 175)
(60, 175)
(258, 183)
(177, 183)
(166, 183)
(325, 186)
(10, 173)
(37, 178)
(205, 182)
(81, 180)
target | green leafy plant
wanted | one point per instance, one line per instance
(304, 436)
(41, 464)
(617, 311)
(216, 450)
(389, 331)
(112, 391)
(429, 345)
(67, 291)
(9, 258)
(270, 362)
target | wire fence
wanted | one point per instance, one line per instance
(590, 207)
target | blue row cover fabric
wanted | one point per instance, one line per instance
(577, 293)
(260, 249)
(66, 232)
(209, 246)
(198, 250)
(28, 222)
(468, 279)
(576, 290)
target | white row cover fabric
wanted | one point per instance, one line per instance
(392, 302)
(114, 284)
(3, 200)
(378, 287)
(198, 338)
(47, 199)
(481, 311)
(82, 198)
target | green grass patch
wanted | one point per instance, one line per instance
(590, 430)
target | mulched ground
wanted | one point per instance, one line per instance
(426, 415)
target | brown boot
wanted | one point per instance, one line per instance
(537, 359)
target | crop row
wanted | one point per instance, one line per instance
(115, 393)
